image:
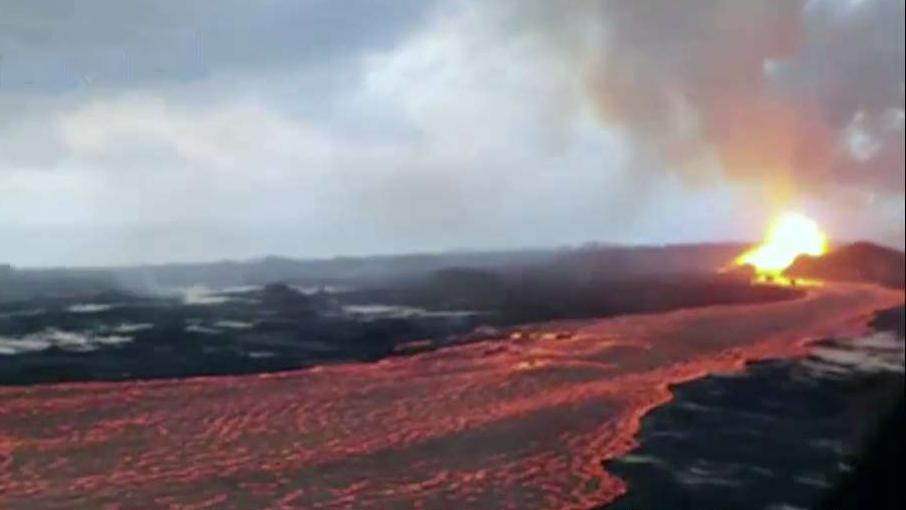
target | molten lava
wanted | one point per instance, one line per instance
(516, 422)
(788, 237)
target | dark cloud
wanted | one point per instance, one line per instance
(59, 45)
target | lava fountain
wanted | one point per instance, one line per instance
(788, 237)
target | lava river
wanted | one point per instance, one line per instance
(519, 422)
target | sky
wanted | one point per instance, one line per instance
(159, 131)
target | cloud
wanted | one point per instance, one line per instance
(310, 129)
(61, 45)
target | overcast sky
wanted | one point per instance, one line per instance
(155, 131)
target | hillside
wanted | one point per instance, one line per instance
(861, 261)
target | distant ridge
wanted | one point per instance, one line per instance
(856, 262)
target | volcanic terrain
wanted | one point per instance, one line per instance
(519, 422)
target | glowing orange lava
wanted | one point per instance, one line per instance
(523, 421)
(788, 237)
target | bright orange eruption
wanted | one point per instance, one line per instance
(789, 236)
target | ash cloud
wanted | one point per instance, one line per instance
(806, 97)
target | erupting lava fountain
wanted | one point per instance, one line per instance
(788, 237)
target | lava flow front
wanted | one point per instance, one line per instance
(788, 237)
(525, 421)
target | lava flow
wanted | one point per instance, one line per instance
(525, 421)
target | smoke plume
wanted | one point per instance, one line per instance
(804, 97)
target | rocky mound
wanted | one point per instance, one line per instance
(858, 262)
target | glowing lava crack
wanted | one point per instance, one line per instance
(521, 422)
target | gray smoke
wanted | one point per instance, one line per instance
(801, 96)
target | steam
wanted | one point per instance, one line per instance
(803, 97)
